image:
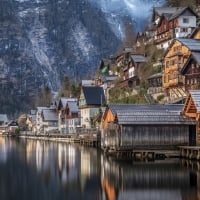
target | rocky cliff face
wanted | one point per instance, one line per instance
(43, 40)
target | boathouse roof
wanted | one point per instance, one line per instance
(149, 114)
(195, 94)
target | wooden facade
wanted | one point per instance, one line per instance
(191, 72)
(192, 109)
(147, 127)
(172, 22)
(177, 64)
(130, 65)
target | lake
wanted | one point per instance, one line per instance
(33, 169)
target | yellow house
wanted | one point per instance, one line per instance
(175, 58)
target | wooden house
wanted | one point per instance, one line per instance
(192, 109)
(90, 101)
(130, 69)
(175, 58)
(157, 126)
(191, 72)
(172, 22)
(155, 83)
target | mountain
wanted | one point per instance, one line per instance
(41, 41)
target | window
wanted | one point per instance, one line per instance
(185, 20)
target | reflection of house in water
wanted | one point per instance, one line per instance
(67, 163)
(152, 181)
(88, 165)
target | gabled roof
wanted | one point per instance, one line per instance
(191, 44)
(138, 58)
(195, 31)
(73, 107)
(63, 101)
(94, 95)
(149, 114)
(40, 109)
(195, 94)
(49, 115)
(171, 12)
(181, 11)
(3, 118)
(195, 56)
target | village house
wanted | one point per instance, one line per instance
(50, 121)
(155, 83)
(131, 126)
(91, 99)
(180, 63)
(172, 22)
(129, 64)
(3, 123)
(72, 116)
(64, 113)
(31, 121)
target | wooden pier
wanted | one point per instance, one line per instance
(142, 154)
(190, 152)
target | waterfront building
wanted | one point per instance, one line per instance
(132, 126)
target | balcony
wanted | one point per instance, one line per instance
(163, 37)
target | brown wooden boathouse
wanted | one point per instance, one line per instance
(146, 127)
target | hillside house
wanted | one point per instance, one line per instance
(127, 126)
(129, 64)
(90, 101)
(172, 22)
(177, 61)
(155, 83)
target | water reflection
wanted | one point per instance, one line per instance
(32, 169)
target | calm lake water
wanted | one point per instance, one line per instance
(31, 169)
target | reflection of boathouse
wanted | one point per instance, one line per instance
(147, 127)
(146, 181)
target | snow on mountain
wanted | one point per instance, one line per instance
(117, 10)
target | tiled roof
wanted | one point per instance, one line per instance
(94, 95)
(49, 115)
(195, 94)
(138, 58)
(3, 118)
(150, 114)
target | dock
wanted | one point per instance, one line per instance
(190, 152)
